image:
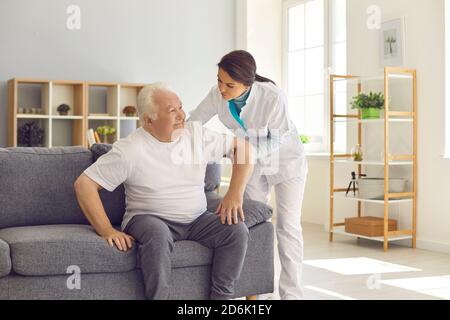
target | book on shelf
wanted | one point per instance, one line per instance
(97, 137)
(91, 137)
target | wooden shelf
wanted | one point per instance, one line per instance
(400, 74)
(372, 121)
(83, 98)
(32, 116)
(130, 118)
(341, 230)
(397, 109)
(374, 163)
(67, 117)
(102, 118)
(379, 201)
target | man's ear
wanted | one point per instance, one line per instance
(147, 119)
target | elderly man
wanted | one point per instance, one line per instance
(162, 166)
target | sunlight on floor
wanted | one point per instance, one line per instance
(434, 286)
(355, 266)
(329, 293)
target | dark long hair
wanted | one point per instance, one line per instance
(241, 66)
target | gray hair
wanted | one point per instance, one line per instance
(145, 99)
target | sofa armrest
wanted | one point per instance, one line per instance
(5, 259)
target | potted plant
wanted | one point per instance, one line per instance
(129, 111)
(357, 153)
(305, 139)
(370, 104)
(105, 131)
(63, 109)
(390, 41)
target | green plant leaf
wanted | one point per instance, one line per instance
(305, 139)
(371, 100)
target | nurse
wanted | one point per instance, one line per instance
(254, 107)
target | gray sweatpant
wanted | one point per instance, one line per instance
(156, 237)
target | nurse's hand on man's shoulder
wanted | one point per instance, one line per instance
(230, 209)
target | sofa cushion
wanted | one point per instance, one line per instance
(255, 212)
(50, 250)
(212, 174)
(5, 259)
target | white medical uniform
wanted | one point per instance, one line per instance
(266, 113)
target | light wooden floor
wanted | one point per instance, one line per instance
(324, 284)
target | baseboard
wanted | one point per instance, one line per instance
(433, 246)
(426, 245)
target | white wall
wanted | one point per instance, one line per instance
(179, 42)
(264, 29)
(259, 30)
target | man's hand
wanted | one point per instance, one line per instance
(230, 207)
(88, 197)
(122, 240)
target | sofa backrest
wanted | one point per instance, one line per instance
(36, 186)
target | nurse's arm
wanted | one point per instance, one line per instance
(231, 205)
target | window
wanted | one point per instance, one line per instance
(315, 45)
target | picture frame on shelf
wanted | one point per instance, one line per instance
(392, 43)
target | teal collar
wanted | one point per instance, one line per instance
(234, 112)
(243, 97)
(236, 105)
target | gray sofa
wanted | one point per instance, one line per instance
(43, 232)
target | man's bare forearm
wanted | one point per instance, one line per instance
(91, 205)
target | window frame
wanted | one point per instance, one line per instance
(322, 148)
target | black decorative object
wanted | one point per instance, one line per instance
(353, 183)
(30, 135)
(63, 109)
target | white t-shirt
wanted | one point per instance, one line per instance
(162, 179)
